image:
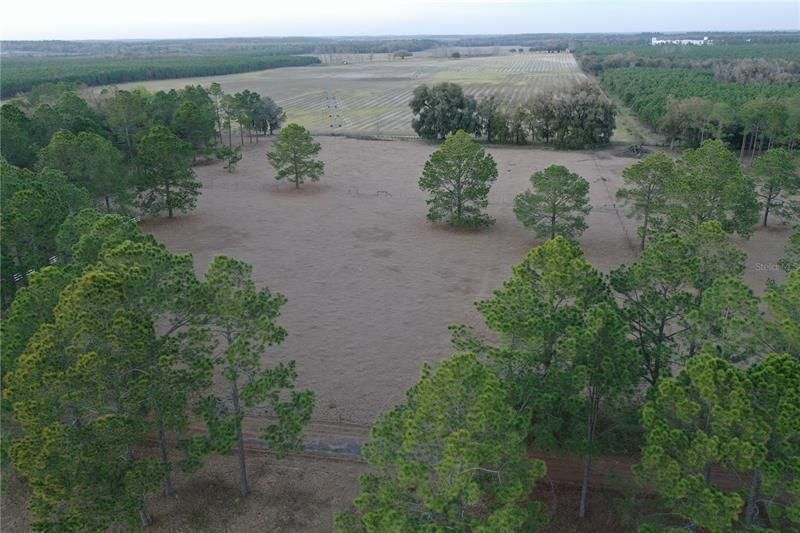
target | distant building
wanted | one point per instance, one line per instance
(696, 42)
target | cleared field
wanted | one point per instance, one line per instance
(371, 285)
(371, 97)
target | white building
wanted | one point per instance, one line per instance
(696, 42)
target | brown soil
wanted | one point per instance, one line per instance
(371, 285)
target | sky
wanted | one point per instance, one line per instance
(149, 19)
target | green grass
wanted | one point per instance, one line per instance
(23, 73)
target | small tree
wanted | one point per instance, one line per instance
(791, 258)
(557, 205)
(779, 182)
(703, 417)
(458, 177)
(230, 156)
(645, 187)
(167, 179)
(293, 154)
(243, 317)
(452, 457)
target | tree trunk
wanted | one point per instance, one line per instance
(144, 515)
(128, 141)
(241, 133)
(587, 465)
(752, 499)
(766, 208)
(553, 225)
(753, 147)
(169, 201)
(162, 445)
(741, 150)
(243, 486)
(644, 230)
(230, 137)
(587, 471)
(108, 204)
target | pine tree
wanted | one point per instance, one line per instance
(457, 177)
(557, 205)
(701, 418)
(293, 154)
(452, 457)
(167, 180)
(244, 320)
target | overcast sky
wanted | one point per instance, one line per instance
(128, 19)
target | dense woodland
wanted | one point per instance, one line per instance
(745, 94)
(27, 64)
(22, 73)
(111, 342)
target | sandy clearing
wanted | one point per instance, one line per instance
(371, 285)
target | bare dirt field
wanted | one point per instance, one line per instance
(371, 285)
(371, 97)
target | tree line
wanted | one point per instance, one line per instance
(596, 59)
(585, 362)
(21, 74)
(656, 95)
(708, 183)
(582, 117)
(210, 46)
(131, 152)
(572, 372)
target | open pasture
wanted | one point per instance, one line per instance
(372, 286)
(371, 97)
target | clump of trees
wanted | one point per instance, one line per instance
(580, 118)
(293, 156)
(89, 161)
(458, 177)
(120, 341)
(706, 184)
(579, 357)
(442, 110)
(132, 148)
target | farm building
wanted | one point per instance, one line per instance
(696, 42)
